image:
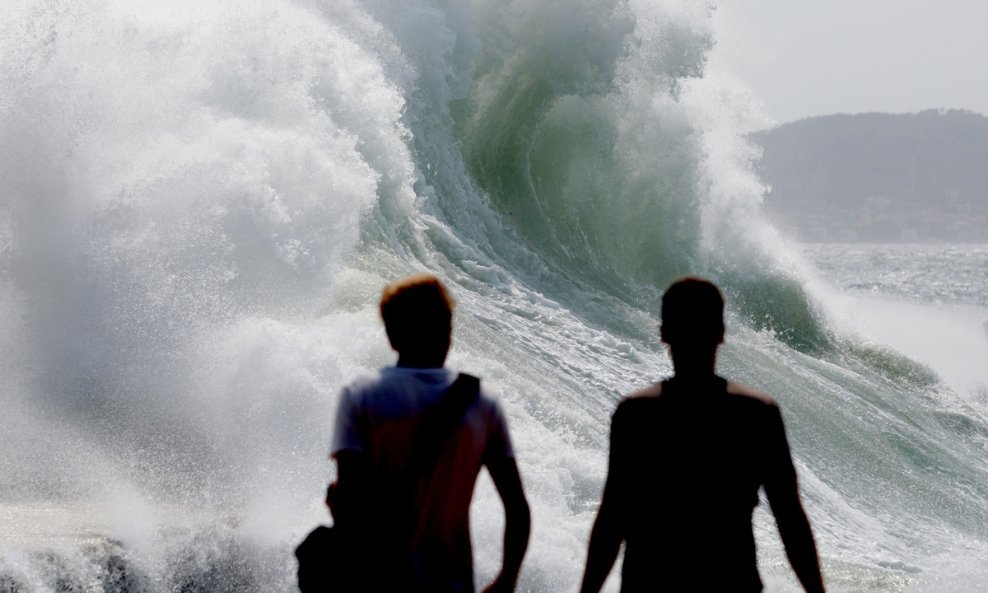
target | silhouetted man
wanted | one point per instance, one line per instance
(687, 458)
(413, 506)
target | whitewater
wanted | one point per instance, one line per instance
(200, 203)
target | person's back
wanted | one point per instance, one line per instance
(687, 459)
(409, 442)
(389, 411)
(690, 458)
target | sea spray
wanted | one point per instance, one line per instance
(201, 204)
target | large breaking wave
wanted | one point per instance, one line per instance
(201, 203)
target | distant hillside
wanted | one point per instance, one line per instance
(879, 177)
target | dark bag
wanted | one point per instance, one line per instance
(317, 555)
(333, 560)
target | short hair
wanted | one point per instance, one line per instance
(417, 312)
(692, 313)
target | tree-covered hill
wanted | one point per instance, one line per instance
(879, 176)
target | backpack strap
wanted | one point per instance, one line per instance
(437, 427)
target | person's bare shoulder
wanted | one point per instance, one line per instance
(632, 405)
(649, 392)
(738, 389)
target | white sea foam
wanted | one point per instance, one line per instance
(201, 203)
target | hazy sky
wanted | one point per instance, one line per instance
(803, 58)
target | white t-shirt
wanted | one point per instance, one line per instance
(378, 414)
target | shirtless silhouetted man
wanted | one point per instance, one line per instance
(687, 458)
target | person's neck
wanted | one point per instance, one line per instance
(694, 375)
(694, 366)
(420, 362)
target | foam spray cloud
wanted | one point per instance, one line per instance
(200, 203)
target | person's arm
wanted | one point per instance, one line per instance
(605, 542)
(517, 522)
(347, 497)
(607, 533)
(782, 491)
(797, 537)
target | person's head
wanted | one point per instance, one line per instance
(692, 315)
(418, 317)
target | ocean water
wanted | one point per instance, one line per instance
(201, 202)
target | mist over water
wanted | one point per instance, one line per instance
(200, 206)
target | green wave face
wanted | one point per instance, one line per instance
(579, 128)
(202, 204)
